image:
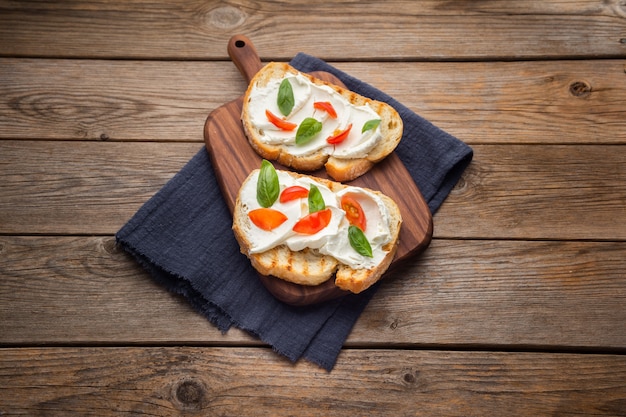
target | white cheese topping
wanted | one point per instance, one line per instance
(333, 239)
(356, 145)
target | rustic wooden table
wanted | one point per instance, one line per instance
(518, 307)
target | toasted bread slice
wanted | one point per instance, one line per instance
(358, 280)
(305, 267)
(309, 266)
(340, 168)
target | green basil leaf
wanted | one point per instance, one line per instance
(267, 187)
(307, 130)
(285, 100)
(359, 242)
(316, 201)
(370, 125)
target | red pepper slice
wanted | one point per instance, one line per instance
(327, 107)
(339, 137)
(314, 222)
(278, 122)
(354, 211)
(267, 218)
(293, 193)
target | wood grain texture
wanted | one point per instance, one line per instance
(102, 102)
(512, 293)
(217, 381)
(430, 30)
(559, 102)
(80, 184)
(509, 191)
(111, 100)
(490, 294)
(61, 290)
(553, 191)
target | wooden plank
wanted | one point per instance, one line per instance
(253, 382)
(84, 290)
(497, 102)
(551, 192)
(509, 191)
(548, 102)
(513, 293)
(83, 186)
(490, 294)
(104, 100)
(200, 30)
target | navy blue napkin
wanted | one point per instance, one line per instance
(183, 237)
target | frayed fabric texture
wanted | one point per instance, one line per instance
(183, 237)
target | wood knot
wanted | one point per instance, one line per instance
(104, 137)
(189, 394)
(109, 246)
(410, 377)
(460, 185)
(226, 17)
(579, 89)
(619, 7)
(394, 324)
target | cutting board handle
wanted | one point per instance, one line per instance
(244, 55)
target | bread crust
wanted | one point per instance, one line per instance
(358, 280)
(309, 267)
(340, 169)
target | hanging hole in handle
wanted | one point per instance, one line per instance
(240, 44)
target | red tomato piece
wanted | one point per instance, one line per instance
(313, 222)
(293, 193)
(339, 137)
(327, 107)
(278, 122)
(267, 218)
(354, 211)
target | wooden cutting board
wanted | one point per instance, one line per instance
(233, 159)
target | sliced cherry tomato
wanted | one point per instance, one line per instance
(267, 218)
(293, 193)
(314, 222)
(340, 136)
(354, 211)
(278, 122)
(327, 107)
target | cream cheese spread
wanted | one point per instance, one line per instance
(333, 239)
(356, 145)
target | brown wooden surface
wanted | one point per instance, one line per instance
(230, 381)
(337, 30)
(454, 294)
(525, 102)
(517, 307)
